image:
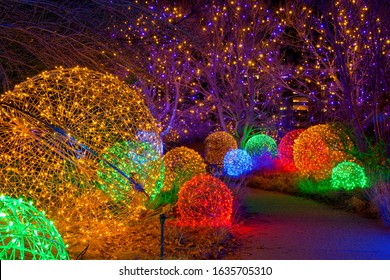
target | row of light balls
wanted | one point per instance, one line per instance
(319, 152)
(203, 199)
(35, 119)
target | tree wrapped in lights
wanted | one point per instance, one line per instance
(217, 145)
(205, 201)
(237, 162)
(55, 129)
(286, 149)
(26, 234)
(342, 51)
(348, 176)
(319, 148)
(238, 51)
(214, 70)
(158, 37)
(66, 33)
(181, 164)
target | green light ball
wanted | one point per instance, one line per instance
(261, 145)
(26, 234)
(348, 176)
(138, 161)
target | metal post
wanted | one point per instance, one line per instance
(163, 217)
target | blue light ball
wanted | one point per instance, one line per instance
(237, 162)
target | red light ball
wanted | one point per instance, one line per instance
(286, 150)
(205, 201)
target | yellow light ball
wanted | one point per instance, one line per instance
(54, 129)
(217, 145)
(181, 164)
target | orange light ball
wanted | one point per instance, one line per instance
(318, 149)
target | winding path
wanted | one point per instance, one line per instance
(283, 227)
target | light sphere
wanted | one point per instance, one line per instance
(26, 234)
(181, 164)
(348, 176)
(140, 161)
(55, 128)
(318, 149)
(237, 162)
(205, 201)
(286, 149)
(260, 145)
(152, 138)
(217, 145)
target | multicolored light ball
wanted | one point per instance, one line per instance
(181, 164)
(318, 149)
(26, 234)
(217, 145)
(286, 149)
(152, 138)
(237, 162)
(348, 176)
(205, 201)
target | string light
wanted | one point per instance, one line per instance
(55, 128)
(152, 138)
(205, 201)
(140, 161)
(262, 149)
(260, 145)
(26, 234)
